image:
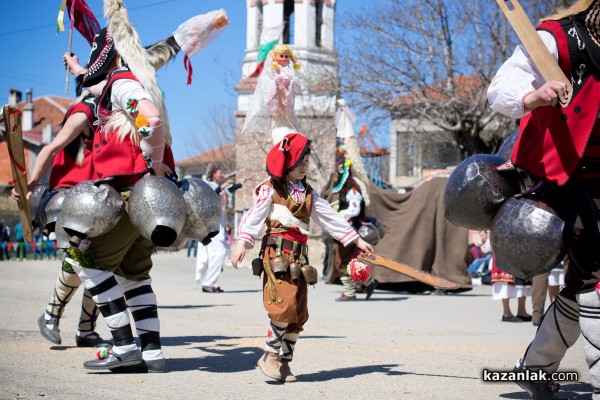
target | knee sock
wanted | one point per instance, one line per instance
(349, 285)
(287, 346)
(89, 314)
(558, 330)
(141, 300)
(110, 300)
(65, 287)
(275, 336)
(589, 319)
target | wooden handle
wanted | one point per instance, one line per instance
(539, 53)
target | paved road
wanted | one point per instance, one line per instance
(395, 346)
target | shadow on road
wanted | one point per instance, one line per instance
(342, 373)
(191, 306)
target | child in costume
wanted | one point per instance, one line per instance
(271, 109)
(287, 203)
(560, 146)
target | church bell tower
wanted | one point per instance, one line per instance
(307, 26)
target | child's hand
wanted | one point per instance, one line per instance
(549, 94)
(238, 252)
(364, 246)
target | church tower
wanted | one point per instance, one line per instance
(308, 27)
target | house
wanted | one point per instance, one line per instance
(196, 166)
(41, 118)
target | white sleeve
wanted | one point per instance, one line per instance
(125, 89)
(255, 217)
(354, 198)
(332, 222)
(516, 78)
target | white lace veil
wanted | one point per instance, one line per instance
(268, 114)
(197, 32)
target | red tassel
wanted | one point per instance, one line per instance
(187, 64)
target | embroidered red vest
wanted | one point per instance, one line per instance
(65, 171)
(553, 139)
(113, 157)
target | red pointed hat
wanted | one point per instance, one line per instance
(287, 154)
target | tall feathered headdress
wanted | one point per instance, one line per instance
(129, 46)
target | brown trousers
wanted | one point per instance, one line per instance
(284, 300)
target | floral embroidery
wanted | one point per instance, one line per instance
(132, 105)
(358, 271)
(145, 132)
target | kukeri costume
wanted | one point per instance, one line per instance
(127, 145)
(72, 165)
(561, 147)
(287, 208)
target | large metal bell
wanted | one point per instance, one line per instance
(310, 274)
(476, 191)
(157, 209)
(51, 206)
(203, 209)
(528, 237)
(369, 233)
(35, 205)
(279, 265)
(62, 237)
(91, 210)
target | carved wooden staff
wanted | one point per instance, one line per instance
(534, 45)
(421, 276)
(13, 135)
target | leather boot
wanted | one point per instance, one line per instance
(269, 365)
(286, 373)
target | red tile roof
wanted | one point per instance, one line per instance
(220, 154)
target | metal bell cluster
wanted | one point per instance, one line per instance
(203, 210)
(89, 210)
(476, 190)
(157, 209)
(168, 213)
(529, 237)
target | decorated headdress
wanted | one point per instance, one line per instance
(101, 57)
(287, 154)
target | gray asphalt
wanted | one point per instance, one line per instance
(395, 346)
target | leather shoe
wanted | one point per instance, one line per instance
(92, 340)
(152, 366)
(53, 334)
(542, 390)
(133, 357)
(212, 289)
(526, 318)
(343, 297)
(371, 288)
(512, 318)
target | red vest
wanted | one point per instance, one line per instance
(65, 171)
(553, 139)
(119, 158)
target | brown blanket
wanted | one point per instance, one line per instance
(418, 234)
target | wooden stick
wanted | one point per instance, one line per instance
(13, 135)
(534, 45)
(68, 70)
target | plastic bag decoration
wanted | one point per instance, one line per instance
(35, 205)
(157, 209)
(528, 237)
(203, 210)
(90, 210)
(476, 190)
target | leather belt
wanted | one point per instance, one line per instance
(301, 249)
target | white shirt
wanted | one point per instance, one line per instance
(354, 198)
(332, 222)
(125, 89)
(516, 78)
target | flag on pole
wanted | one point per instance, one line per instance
(82, 18)
(268, 40)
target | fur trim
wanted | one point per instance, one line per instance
(162, 52)
(121, 122)
(129, 46)
(282, 214)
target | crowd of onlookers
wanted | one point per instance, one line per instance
(14, 247)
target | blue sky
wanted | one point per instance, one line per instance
(32, 57)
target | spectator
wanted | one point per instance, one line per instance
(21, 251)
(479, 266)
(192, 244)
(4, 239)
(38, 238)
